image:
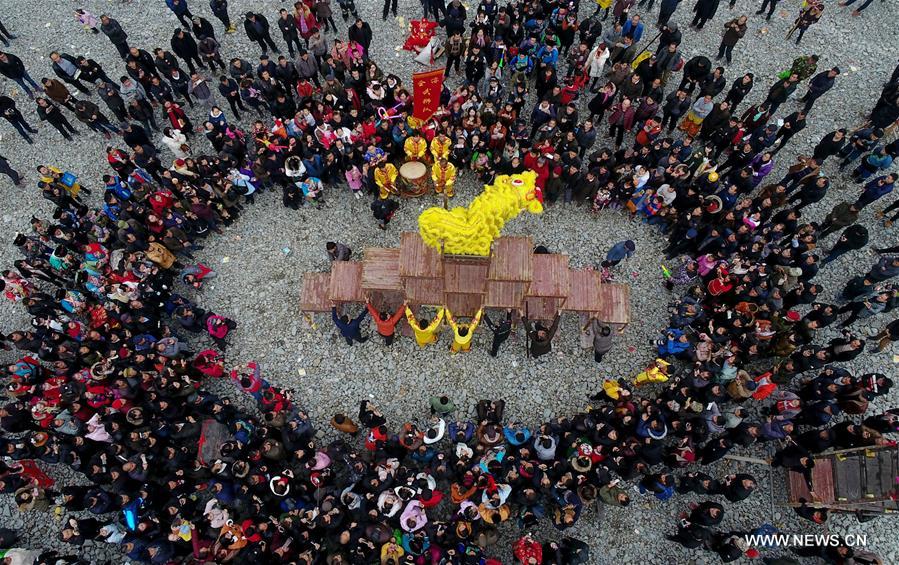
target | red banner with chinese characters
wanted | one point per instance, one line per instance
(426, 93)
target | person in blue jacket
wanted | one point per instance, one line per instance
(180, 9)
(674, 344)
(633, 28)
(350, 330)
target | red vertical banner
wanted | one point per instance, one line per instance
(426, 91)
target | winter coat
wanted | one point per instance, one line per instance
(706, 8)
(114, 32)
(185, 47)
(13, 68)
(733, 34)
(256, 30)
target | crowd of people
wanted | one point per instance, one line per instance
(110, 381)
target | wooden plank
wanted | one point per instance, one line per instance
(887, 478)
(584, 294)
(551, 276)
(543, 307)
(822, 481)
(616, 303)
(506, 294)
(417, 259)
(465, 276)
(314, 294)
(346, 282)
(512, 259)
(847, 479)
(463, 305)
(380, 269)
(424, 291)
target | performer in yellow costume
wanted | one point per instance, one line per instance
(440, 146)
(415, 148)
(443, 174)
(385, 178)
(462, 333)
(425, 332)
(655, 373)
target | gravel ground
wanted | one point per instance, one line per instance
(259, 284)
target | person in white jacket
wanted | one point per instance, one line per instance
(176, 142)
(596, 62)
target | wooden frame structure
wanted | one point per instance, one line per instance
(513, 276)
(862, 479)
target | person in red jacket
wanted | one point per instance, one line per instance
(386, 323)
(528, 551)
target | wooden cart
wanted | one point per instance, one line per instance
(864, 479)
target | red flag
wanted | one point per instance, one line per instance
(427, 87)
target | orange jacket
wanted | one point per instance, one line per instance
(386, 327)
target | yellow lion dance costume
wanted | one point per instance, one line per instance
(470, 231)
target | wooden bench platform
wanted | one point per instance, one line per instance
(552, 277)
(584, 294)
(465, 275)
(417, 259)
(616, 304)
(505, 294)
(822, 480)
(346, 282)
(424, 291)
(314, 295)
(463, 305)
(380, 269)
(512, 259)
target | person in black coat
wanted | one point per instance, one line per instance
(117, 36)
(11, 114)
(691, 536)
(695, 71)
(738, 90)
(50, 113)
(288, 27)
(201, 28)
(707, 514)
(854, 237)
(738, 487)
(383, 211)
(14, 69)
(818, 87)
(257, 29)
(229, 88)
(184, 45)
(830, 145)
(705, 10)
(147, 63)
(501, 331)
(360, 32)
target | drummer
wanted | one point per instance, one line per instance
(443, 173)
(415, 147)
(385, 178)
(440, 146)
